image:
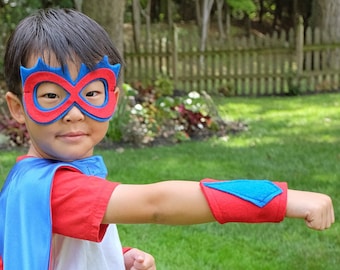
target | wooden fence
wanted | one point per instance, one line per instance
(298, 62)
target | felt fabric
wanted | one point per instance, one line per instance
(245, 201)
(32, 77)
(257, 192)
(26, 227)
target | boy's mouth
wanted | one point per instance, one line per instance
(72, 135)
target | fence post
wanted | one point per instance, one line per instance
(174, 54)
(299, 47)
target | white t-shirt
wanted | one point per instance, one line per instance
(73, 254)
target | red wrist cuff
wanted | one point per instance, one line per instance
(232, 208)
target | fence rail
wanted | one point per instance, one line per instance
(301, 61)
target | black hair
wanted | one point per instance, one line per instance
(66, 33)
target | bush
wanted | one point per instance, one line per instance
(16, 133)
(157, 114)
(146, 116)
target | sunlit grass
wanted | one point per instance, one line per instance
(289, 139)
(293, 139)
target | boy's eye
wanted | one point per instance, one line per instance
(94, 93)
(50, 95)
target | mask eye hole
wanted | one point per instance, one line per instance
(95, 93)
(50, 95)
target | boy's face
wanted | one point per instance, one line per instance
(64, 131)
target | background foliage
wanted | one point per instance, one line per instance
(149, 123)
(293, 139)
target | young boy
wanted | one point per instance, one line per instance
(62, 70)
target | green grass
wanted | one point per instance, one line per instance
(293, 139)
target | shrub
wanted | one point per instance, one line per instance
(157, 114)
(16, 133)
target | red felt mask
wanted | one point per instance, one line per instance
(49, 93)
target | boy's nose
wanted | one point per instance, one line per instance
(74, 115)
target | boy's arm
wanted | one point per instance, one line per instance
(186, 202)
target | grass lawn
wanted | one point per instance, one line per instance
(293, 139)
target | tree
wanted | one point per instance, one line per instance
(141, 8)
(220, 4)
(110, 15)
(325, 16)
(206, 9)
(136, 20)
(78, 4)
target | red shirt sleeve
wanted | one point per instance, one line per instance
(126, 249)
(79, 203)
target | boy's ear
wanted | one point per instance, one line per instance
(117, 92)
(15, 107)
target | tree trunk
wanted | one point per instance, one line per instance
(206, 9)
(198, 13)
(110, 15)
(146, 14)
(207, 5)
(220, 4)
(227, 21)
(78, 4)
(136, 13)
(169, 9)
(325, 15)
